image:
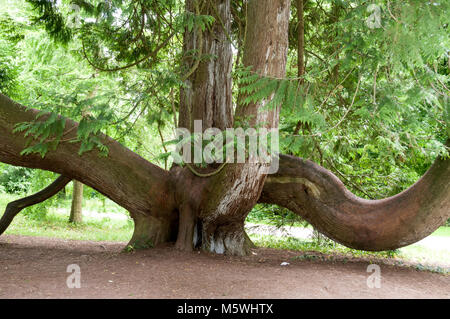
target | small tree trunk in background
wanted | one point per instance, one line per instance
(301, 40)
(76, 212)
(63, 192)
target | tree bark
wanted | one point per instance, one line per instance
(321, 198)
(225, 199)
(206, 95)
(76, 211)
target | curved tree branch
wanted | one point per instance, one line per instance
(321, 198)
(137, 185)
(15, 207)
(304, 187)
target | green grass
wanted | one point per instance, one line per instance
(303, 245)
(443, 231)
(55, 223)
(420, 254)
(5, 199)
(56, 226)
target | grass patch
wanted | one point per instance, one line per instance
(423, 255)
(5, 199)
(292, 243)
(416, 257)
(57, 226)
(54, 224)
(443, 231)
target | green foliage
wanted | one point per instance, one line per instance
(12, 33)
(192, 21)
(274, 215)
(15, 180)
(130, 105)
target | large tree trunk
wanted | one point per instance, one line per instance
(217, 217)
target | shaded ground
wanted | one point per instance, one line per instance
(32, 267)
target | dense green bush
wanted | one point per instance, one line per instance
(15, 180)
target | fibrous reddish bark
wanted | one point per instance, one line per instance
(206, 95)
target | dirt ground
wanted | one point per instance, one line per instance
(32, 267)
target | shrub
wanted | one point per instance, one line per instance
(15, 180)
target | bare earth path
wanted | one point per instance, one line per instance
(32, 267)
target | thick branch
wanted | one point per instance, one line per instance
(13, 208)
(123, 176)
(322, 199)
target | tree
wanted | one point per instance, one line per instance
(76, 210)
(208, 209)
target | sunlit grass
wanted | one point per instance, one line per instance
(55, 223)
(442, 231)
(56, 226)
(421, 254)
(292, 243)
